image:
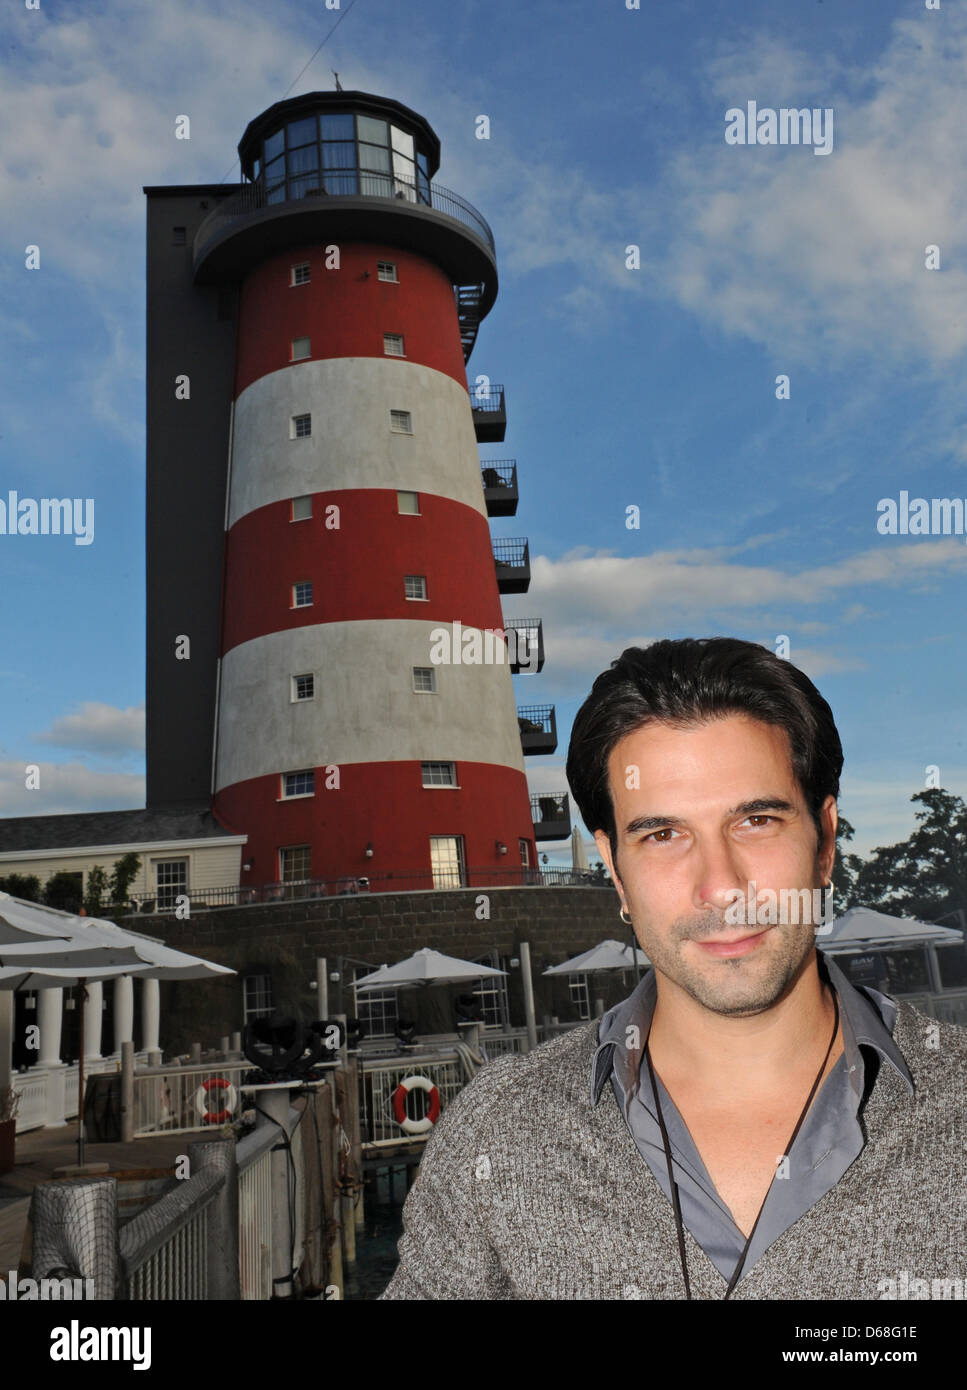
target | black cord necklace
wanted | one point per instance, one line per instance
(676, 1203)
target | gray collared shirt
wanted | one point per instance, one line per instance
(830, 1139)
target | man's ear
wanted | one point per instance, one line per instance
(604, 849)
(829, 819)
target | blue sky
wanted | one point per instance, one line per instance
(653, 387)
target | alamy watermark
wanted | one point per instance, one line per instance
(48, 516)
(457, 645)
(921, 516)
(14, 1289)
(787, 126)
(767, 907)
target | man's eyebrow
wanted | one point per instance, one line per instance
(758, 807)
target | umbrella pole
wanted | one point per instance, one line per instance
(80, 1082)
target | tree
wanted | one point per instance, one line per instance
(64, 891)
(26, 886)
(846, 869)
(924, 876)
(97, 885)
(123, 874)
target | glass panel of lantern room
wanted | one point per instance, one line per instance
(303, 161)
(422, 178)
(338, 127)
(274, 145)
(339, 154)
(373, 131)
(301, 132)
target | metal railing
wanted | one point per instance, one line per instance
(177, 1269)
(337, 184)
(177, 1100)
(513, 551)
(536, 719)
(405, 881)
(549, 806)
(499, 473)
(254, 1158)
(487, 398)
(448, 1070)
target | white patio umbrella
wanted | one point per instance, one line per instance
(607, 955)
(97, 950)
(861, 929)
(427, 967)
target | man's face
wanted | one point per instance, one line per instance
(699, 813)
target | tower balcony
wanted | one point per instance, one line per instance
(489, 414)
(512, 559)
(527, 654)
(538, 728)
(357, 204)
(551, 814)
(499, 478)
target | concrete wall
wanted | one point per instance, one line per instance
(284, 940)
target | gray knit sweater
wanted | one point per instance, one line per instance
(526, 1191)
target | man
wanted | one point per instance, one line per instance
(746, 1124)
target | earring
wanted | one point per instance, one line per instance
(621, 914)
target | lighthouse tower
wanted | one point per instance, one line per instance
(352, 722)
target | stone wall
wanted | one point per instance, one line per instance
(284, 939)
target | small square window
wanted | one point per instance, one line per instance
(408, 503)
(304, 687)
(401, 421)
(424, 680)
(300, 426)
(302, 594)
(415, 586)
(393, 345)
(386, 271)
(299, 783)
(300, 274)
(179, 236)
(301, 508)
(439, 774)
(301, 348)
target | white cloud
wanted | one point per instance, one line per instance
(66, 788)
(98, 728)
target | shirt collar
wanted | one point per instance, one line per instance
(868, 1019)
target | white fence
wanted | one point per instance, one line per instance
(31, 1087)
(447, 1070)
(254, 1156)
(178, 1100)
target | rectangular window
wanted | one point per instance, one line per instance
(302, 594)
(300, 426)
(304, 687)
(301, 348)
(414, 586)
(424, 680)
(300, 274)
(408, 503)
(393, 345)
(578, 986)
(401, 422)
(387, 272)
(375, 1009)
(525, 853)
(295, 863)
(491, 993)
(171, 878)
(447, 861)
(179, 236)
(257, 996)
(439, 774)
(299, 783)
(301, 509)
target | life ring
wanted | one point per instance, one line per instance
(421, 1083)
(215, 1117)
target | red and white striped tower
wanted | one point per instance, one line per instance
(356, 520)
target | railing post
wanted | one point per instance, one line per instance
(127, 1091)
(527, 982)
(275, 1110)
(218, 1153)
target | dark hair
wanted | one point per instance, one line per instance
(691, 681)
